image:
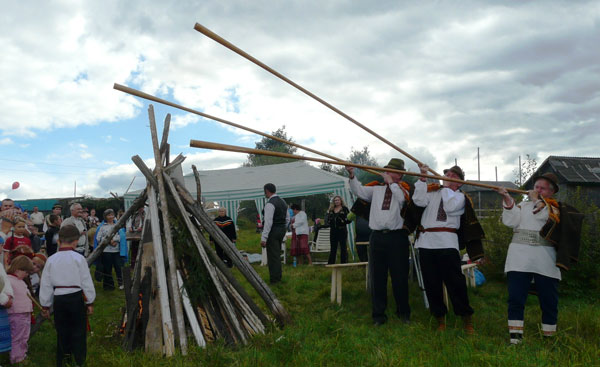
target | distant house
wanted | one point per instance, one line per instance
(573, 173)
(487, 199)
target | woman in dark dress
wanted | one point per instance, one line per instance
(337, 219)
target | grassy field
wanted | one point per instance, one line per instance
(324, 334)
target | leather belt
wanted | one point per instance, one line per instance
(385, 231)
(67, 286)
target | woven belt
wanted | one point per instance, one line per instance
(529, 237)
(440, 229)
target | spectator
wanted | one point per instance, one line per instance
(76, 220)
(51, 234)
(93, 220)
(337, 219)
(6, 299)
(39, 261)
(37, 218)
(226, 225)
(299, 226)
(110, 255)
(56, 210)
(135, 232)
(276, 219)
(19, 314)
(18, 239)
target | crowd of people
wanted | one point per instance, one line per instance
(44, 262)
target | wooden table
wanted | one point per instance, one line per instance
(336, 278)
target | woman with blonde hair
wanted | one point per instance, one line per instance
(337, 219)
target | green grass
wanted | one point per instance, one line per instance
(324, 334)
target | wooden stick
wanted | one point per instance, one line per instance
(165, 134)
(235, 148)
(198, 184)
(189, 311)
(176, 162)
(149, 97)
(164, 208)
(215, 37)
(165, 310)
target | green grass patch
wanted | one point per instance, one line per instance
(325, 334)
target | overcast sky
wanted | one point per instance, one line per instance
(437, 78)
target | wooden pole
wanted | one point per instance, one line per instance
(215, 37)
(198, 184)
(165, 310)
(150, 97)
(235, 148)
(164, 208)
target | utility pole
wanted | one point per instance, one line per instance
(75, 189)
(478, 179)
(520, 174)
(496, 168)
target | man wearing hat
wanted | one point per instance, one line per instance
(531, 255)
(389, 241)
(438, 245)
(56, 210)
(76, 220)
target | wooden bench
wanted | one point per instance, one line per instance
(336, 278)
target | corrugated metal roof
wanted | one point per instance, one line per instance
(571, 170)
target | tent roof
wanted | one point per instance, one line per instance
(246, 183)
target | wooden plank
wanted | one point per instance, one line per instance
(165, 311)
(191, 316)
(164, 209)
(153, 341)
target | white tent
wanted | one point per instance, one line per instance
(229, 187)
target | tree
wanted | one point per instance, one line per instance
(274, 146)
(528, 168)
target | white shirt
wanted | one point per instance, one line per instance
(37, 218)
(300, 223)
(381, 219)
(528, 258)
(7, 290)
(454, 207)
(66, 268)
(268, 220)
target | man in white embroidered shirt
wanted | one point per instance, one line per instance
(438, 246)
(388, 241)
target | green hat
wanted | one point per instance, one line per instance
(395, 163)
(456, 169)
(550, 177)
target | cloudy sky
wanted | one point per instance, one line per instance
(437, 78)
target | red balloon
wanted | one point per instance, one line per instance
(15, 185)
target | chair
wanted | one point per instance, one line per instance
(321, 244)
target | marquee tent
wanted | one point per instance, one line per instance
(229, 187)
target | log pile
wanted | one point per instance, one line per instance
(179, 283)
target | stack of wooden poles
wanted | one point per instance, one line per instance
(178, 273)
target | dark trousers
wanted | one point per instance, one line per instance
(70, 323)
(274, 252)
(518, 288)
(111, 260)
(389, 253)
(135, 246)
(223, 256)
(363, 252)
(338, 236)
(442, 266)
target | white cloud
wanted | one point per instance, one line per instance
(123, 139)
(6, 141)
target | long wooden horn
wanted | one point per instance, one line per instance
(215, 37)
(238, 149)
(150, 97)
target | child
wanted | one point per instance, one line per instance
(19, 314)
(52, 234)
(19, 238)
(39, 261)
(65, 282)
